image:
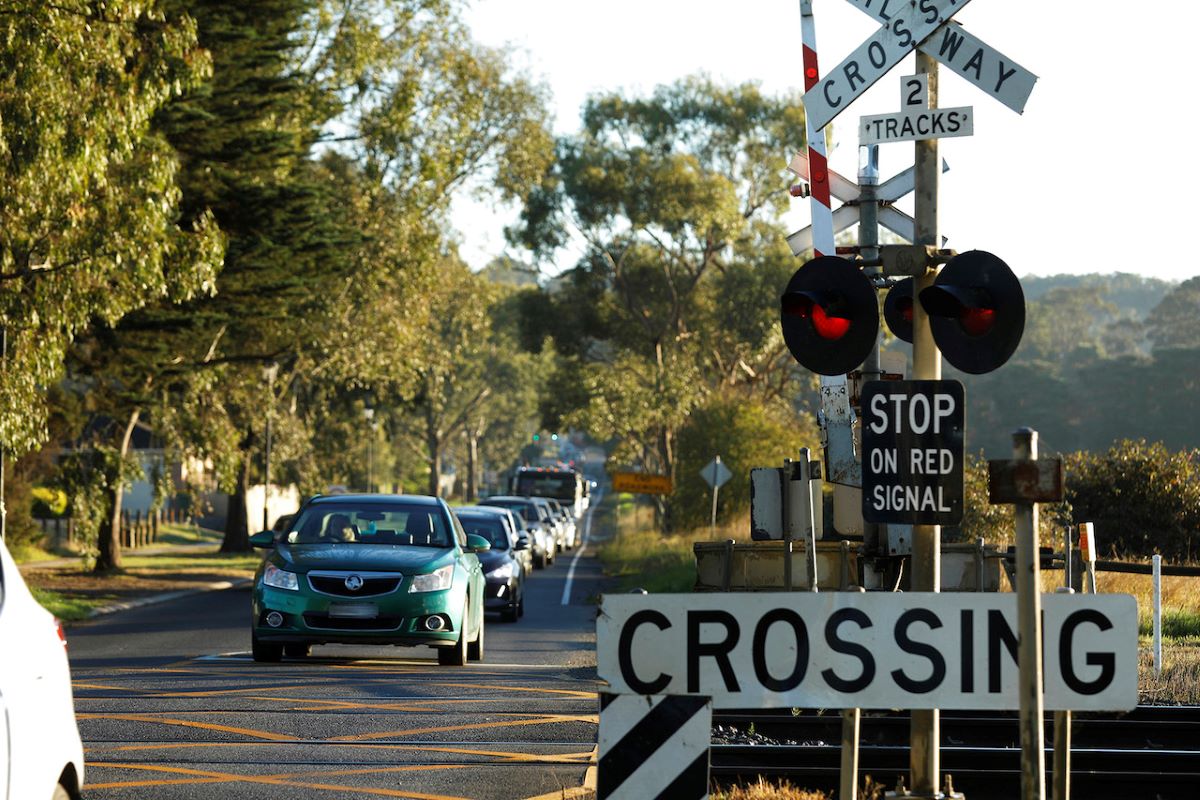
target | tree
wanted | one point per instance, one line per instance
(92, 225)
(678, 199)
(1142, 497)
(1175, 321)
(745, 434)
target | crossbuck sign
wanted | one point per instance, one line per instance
(874, 650)
(907, 25)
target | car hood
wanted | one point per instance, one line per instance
(366, 557)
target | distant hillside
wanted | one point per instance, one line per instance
(1127, 291)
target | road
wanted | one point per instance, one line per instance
(170, 705)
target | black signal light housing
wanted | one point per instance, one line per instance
(830, 316)
(976, 311)
(898, 310)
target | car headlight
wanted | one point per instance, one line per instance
(502, 572)
(433, 581)
(279, 578)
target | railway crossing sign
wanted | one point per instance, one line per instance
(912, 452)
(848, 192)
(653, 746)
(916, 121)
(906, 25)
(918, 650)
(977, 62)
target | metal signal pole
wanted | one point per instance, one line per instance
(924, 761)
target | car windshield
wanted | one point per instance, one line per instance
(371, 523)
(489, 527)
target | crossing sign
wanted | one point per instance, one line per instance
(977, 62)
(916, 121)
(906, 25)
(848, 192)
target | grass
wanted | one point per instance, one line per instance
(186, 533)
(784, 790)
(69, 607)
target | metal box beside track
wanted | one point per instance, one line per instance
(758, 566)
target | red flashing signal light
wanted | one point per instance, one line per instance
(977, 321)
(830, 315)
(976, 311)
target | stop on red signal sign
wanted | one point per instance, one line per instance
(912, 451)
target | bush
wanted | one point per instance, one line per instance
(1142, 498)
(746, 434)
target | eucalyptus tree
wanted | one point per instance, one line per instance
(91, 220)
(678, 199)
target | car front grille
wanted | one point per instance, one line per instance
(323, 622)
(336, 584)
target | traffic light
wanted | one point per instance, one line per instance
(976, 311)
(830, 316)
(898, 310)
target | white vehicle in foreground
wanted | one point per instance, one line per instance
(41, 755)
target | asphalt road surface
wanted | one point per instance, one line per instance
(170, 705)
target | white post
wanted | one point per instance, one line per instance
(712, 525)
(1157, 567)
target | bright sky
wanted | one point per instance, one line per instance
(1097, 175)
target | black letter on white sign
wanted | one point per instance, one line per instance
(625, 657)
(919, 649)
(839, 645)
(717, 650)
(800, 630)
(1105, 661)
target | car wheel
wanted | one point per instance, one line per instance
(475, 648)
(265, 652)
(297, 650)
(455, 656)
(521, 607)
(510, 614)
(540, 562)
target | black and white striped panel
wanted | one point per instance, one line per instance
(654, 747)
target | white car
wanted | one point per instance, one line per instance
(41, 755)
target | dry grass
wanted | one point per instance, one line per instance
(783, 790)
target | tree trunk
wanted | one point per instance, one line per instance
(237, 532)
(472, 467)
(435, 465)
(108, 543)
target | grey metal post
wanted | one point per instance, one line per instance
(1061, 789)
(924, 761)
(1029, 639)
(868, 241)
(786, 499)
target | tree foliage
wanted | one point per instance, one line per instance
(677, 197)
(1143, 498)
(91, 218)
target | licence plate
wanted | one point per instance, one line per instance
(354, 610)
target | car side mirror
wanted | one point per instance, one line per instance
(477, 544)
(263, 539)
(522, 542)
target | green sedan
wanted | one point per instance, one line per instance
(369, 569)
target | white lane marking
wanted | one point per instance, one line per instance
(587, 531)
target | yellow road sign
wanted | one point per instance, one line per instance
(641, 483)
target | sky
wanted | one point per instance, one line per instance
(1097, 175)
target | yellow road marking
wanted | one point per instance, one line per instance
(540, 720)
(566, 758)
(206, 776)
(275, 737)
(568, 692)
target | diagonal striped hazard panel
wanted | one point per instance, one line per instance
(654, 747)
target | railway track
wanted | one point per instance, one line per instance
(1152, 752)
